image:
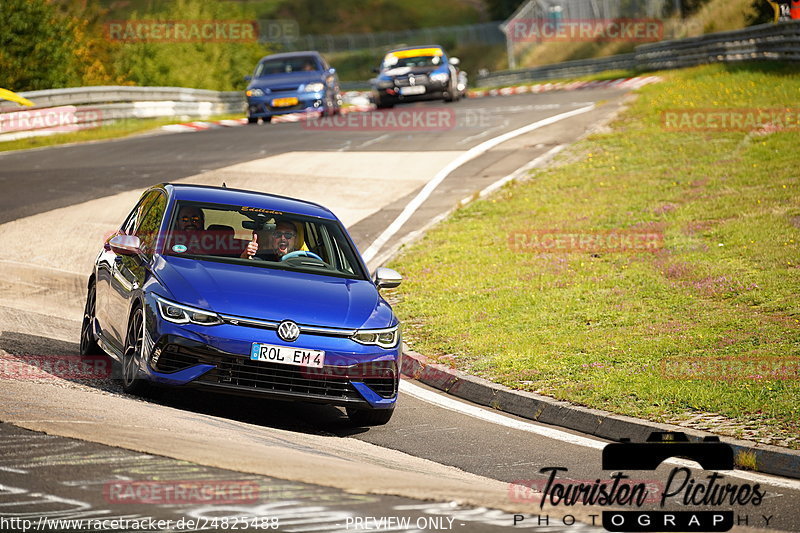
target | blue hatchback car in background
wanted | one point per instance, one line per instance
(245, 293)
(294, 82)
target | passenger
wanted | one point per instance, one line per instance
(279, 242)
(309, 65)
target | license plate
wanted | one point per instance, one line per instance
(284, 102)
(416, 89)
(270, 353)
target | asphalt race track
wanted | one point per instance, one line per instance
(69, 448)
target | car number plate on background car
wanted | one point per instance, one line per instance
(288, 356)
(284, 102)
(416, 89)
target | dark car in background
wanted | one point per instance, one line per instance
(417, 73)
(295, 82)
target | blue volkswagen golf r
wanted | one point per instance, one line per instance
(244, 293)
(293, 82)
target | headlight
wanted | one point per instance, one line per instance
(441, 77)
(385, 338)
(183, 314)
(254, 92)
(312, 87)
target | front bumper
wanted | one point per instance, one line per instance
(393, 94)
(218, 358)
(262, 106)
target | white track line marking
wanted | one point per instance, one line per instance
(387, 254)
(441, 400)
(446, 402)
(372, 141)
(470, 154)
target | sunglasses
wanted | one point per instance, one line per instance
(190, 219)
(286, 234)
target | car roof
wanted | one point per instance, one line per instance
(289, 55)
(225, 195)
(415, 47)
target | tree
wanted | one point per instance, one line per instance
(35, 49)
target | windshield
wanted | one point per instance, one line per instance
(260, 237)
(421, 61)
(419, 57)
(270, 67)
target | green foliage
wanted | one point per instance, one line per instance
(366, 16)
(34, 46)
(763, 13)
(688, 7)
(502, 9)
(603, 329)
(202, 65)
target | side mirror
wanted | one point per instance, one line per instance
(376, 70)
(332, 70)
(386, 278)
(125, 245)
(248, 78)
(454, 61)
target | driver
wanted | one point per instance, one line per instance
(279, 242)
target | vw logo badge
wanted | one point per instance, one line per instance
(288, 331)
(412, 80)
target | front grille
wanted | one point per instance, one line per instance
(383, 387)
(332, 382)
(299, 107)
(419, 79)
(174, 357)
(257, 375)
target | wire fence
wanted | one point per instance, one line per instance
(449, 36)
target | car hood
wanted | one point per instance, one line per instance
(271, 294)
(290, 80)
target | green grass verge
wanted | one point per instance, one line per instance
(607, 329)
(599, 76)
(122, 128)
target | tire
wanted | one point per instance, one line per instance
(252, 120)
(369, 417)
(89, 344)
(266, 119)
(131, 383)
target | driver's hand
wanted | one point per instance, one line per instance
(252, 248)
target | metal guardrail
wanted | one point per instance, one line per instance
(123, 93)
(76, 108)
(764, 42)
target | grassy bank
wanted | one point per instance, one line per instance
(673, 334)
